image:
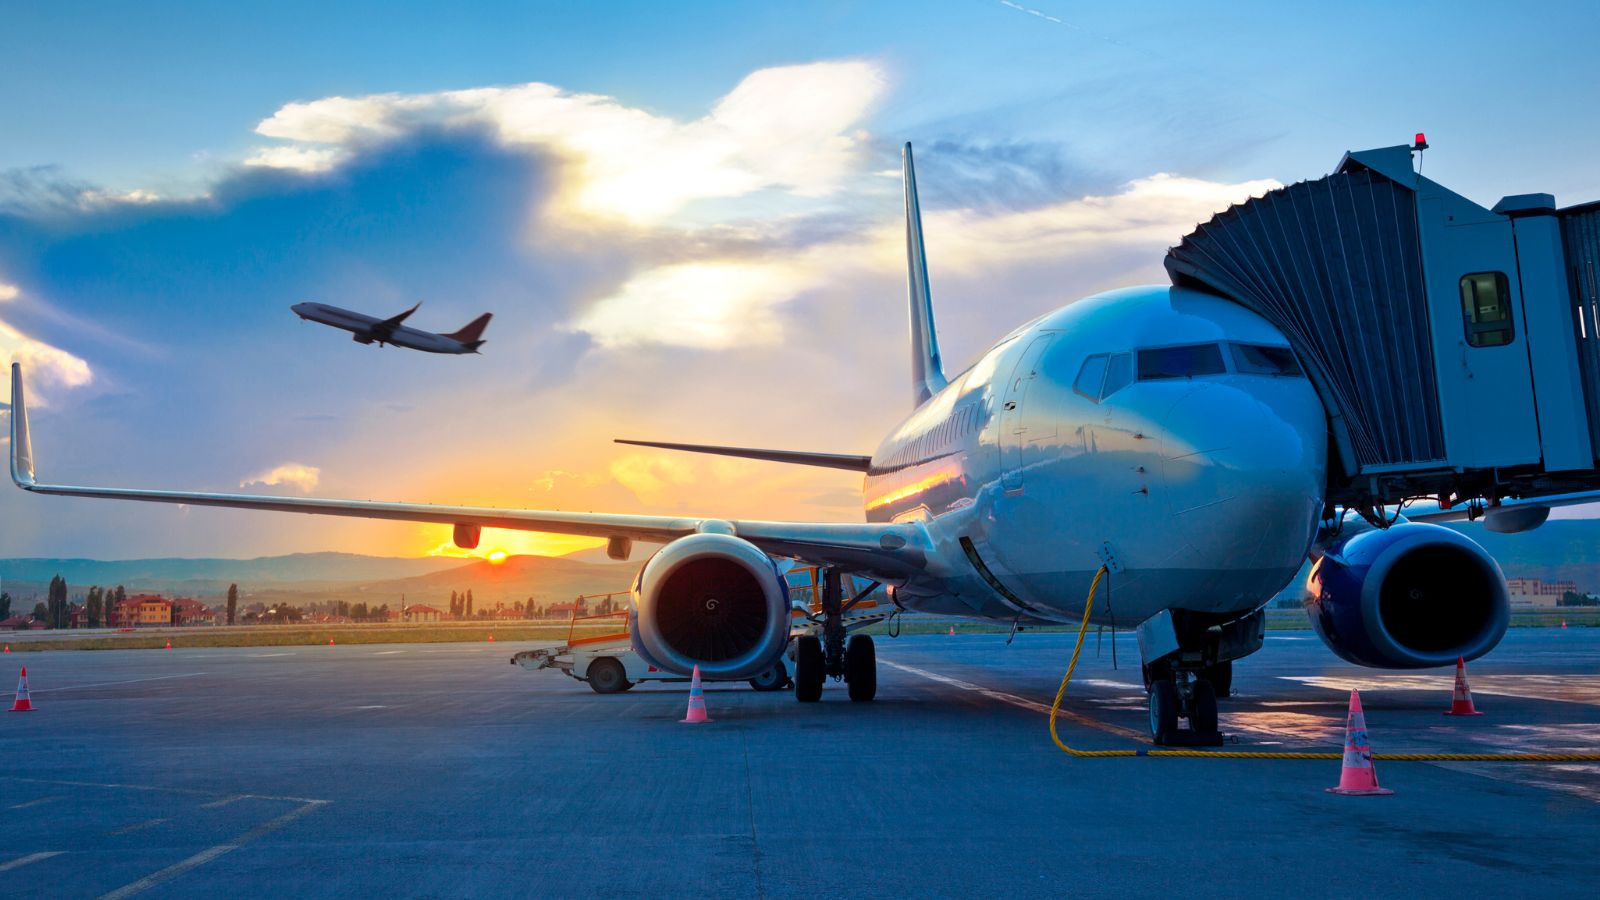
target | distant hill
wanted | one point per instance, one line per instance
(1559, 550)
(309, 577)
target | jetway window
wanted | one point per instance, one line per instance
(1090, 377)
(1486, 306)
(1260, 359)
(1119, 374)
(1181, 362)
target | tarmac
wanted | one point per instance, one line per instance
(441, 771)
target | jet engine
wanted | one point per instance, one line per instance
(1407, 597)
(711, 600)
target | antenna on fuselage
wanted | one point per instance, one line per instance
(927, 367)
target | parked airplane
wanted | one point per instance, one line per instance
(1164, 433)
(370, 329)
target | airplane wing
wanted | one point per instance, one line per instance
(1510, 514)
(394, 321)
(798, 457)
(886, 552)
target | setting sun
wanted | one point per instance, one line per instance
(496, 557)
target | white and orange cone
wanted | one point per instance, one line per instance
(1461, 700)
(697, 701)
(24, 703)
(952, 631)
(1358, 777)
(169, 644)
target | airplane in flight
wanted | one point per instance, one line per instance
(373, 330)
(1164, 433)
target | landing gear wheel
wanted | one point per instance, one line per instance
(1221, 678)
(1202, 709)
(1154, 673)
(861, 668)
(1163, 711)
(809, 669)
(773, 679)
(606, 676)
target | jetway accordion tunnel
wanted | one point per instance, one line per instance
(1456, 348)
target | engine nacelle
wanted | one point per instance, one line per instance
(711, 600)
(1407, 597)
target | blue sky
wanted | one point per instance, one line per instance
(650, 197)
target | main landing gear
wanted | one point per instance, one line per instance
(818, 658)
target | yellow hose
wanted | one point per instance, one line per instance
(1077, 648)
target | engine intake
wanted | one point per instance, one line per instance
(711, 600)
(1408, 597)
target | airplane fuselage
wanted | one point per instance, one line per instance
(373, 330)
(1199, 466)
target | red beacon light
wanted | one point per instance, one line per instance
(1421, 142)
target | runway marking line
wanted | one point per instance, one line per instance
(215, 804)
(1023, 702)
(31, 803)
(188, 792)
(21, 861)
(138, 826)
(210, 853)
(79, 687)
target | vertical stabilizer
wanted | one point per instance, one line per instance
(927, 367)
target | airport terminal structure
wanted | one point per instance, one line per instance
(1456, 348)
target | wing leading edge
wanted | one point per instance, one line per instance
(886, 551)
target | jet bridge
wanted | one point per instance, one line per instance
(1456, 348)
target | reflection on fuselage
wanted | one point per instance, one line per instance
(1198, 464)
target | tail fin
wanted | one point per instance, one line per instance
(927, 367)
(472, 332)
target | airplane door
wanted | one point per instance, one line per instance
(1013, 423)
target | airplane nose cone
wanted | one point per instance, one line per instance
(1245, 466)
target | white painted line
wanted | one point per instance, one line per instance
(210, 853)
(79, 687)
(268, 655)
(387, 652)
(373, 706)
(1023, 702)
(188, 792)
(138, 826)
(223, 802)
(21, 861)
(39, 802)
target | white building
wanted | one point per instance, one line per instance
(1531, 592)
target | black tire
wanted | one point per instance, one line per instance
(861, 668)
(1163, 710)
(773, 679)
(809, 669)
(1221, 678)
(607, 676)
(1202, 708)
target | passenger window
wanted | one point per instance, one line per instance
(1486, 308)
(1259, 359)
(1119, 372)
(1090, 376)
(1180, 362)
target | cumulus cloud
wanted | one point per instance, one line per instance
(44, 366)
(291, 474)
(9, 292)
(790, 128)
(715, 303)
(650, 478)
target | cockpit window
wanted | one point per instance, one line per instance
(1119, 373)
(1181, 362)
(1258, 359)
(1090, 376)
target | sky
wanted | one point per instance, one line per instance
(685, 217)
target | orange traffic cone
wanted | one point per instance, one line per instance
(491, 638)
(330, 642)
(697, 701)
(1461, 700)
(169, 644)
(952, 631)
(8, 648)
(23, 704)
(1357, 777)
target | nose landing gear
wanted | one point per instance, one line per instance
(817, 658)
(1180, 696)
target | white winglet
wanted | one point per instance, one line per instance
(21, 445)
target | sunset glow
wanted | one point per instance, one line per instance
(496, 557)
(515, 543)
